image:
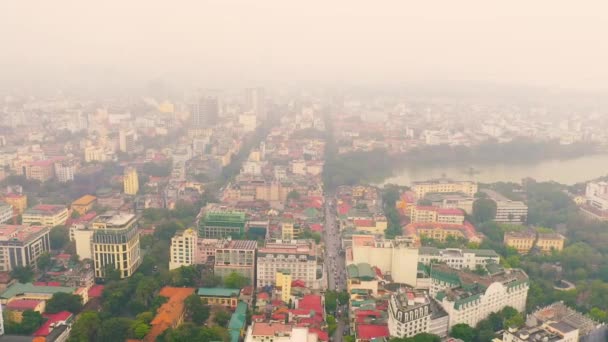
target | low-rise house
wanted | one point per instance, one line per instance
(220, 296)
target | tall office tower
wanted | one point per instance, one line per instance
(115, 242)
(127, 140)
(205, 112)
(131, 181)
(255, 101)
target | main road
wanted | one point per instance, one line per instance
(334, 262)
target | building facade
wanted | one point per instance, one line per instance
(116, 243)
(410, 313)
(507, 211)
(84, 204)
(222, 224)
(444, 186)
(184, 249)
(18, 201)
(20, 246)
(236, 256)
(130, 181)
(296, 256)
(6, 212)
(469, 298)
(65, 170)
(458, 258)
(45, 215)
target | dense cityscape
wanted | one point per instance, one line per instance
(216, 219)
(303, 171)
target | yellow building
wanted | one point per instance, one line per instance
(115, 242)
(522, 241)
(45, 215)
(283, 281)
(131, 181)
(444, 186)
(84, 204)
(19, 202)
(375, 225)
(93, 153)
(547, 242)
(220, 296)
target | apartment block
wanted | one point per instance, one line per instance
(116, 242)
(130, 181)
(468, 297)
(444, 186)
(184, 249)
(236, 256)
(6, 212)
(413, 312)
(21, 246)
(45, 215)
(507, 211)
(426, 214)
(40, 170)
(296, 256)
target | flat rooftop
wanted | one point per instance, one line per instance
(20, 233)
(116, 219)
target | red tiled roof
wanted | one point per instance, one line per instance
(23, 304)
(316, 227)
(365, 223)
(467, 228)
(369, 331)
(263, 295)
(50, 283)
(298, 283)
(343, 208)
(95, 291)
(45, 329)
(311, 302)
(450, 211)
(323, 336)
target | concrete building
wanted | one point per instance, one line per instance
(206, 250)
(507, 211)
(279, 332)
(522, 241)
(84, 204)
(425, 214)
(184, 249)
(550, 332)
(116, 243)
(296, 256)
(589, 330)
(458, 258)
(65, 170)
(49, 215)
(413, 312)
(130, 181)
(444, 186)
(20, 246)
(6, 212)
(451, 200)
(442, 231)
(40, 170)
(396, 258)
(126, 141)
(82, 236)
(18, 201)
(235, 256)
(94, 154)
(222, 224)
(204, 112)
(469, 298)
(283, 283)
(548, 242)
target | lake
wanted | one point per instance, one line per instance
(565, 171)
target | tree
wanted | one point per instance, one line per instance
(44, 261)
(293, 195)
(23, 274)
(516, 321)
(484, 210)
(31, 321)
(221, 318)
(463, 332)
(59, 237)
(236, 281)
(111, 273)
(114, 329)
(62, 301)
(86, 328)
(140, 330)
(197, 311)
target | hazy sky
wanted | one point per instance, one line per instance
(537, 42)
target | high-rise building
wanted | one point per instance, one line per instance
(20, 246)
(236, 256)
(297, 257)
(255, 101)
(49, 215)
(205, 112)
(6, 212)
(412, 312)
(64, 170)
(183, 249)
(126, 141)
(283, 282)
(116, 243)
(131, 181)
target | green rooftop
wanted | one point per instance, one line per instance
(217, 292)
(363, 271)
(237, 322)
(29, 288)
